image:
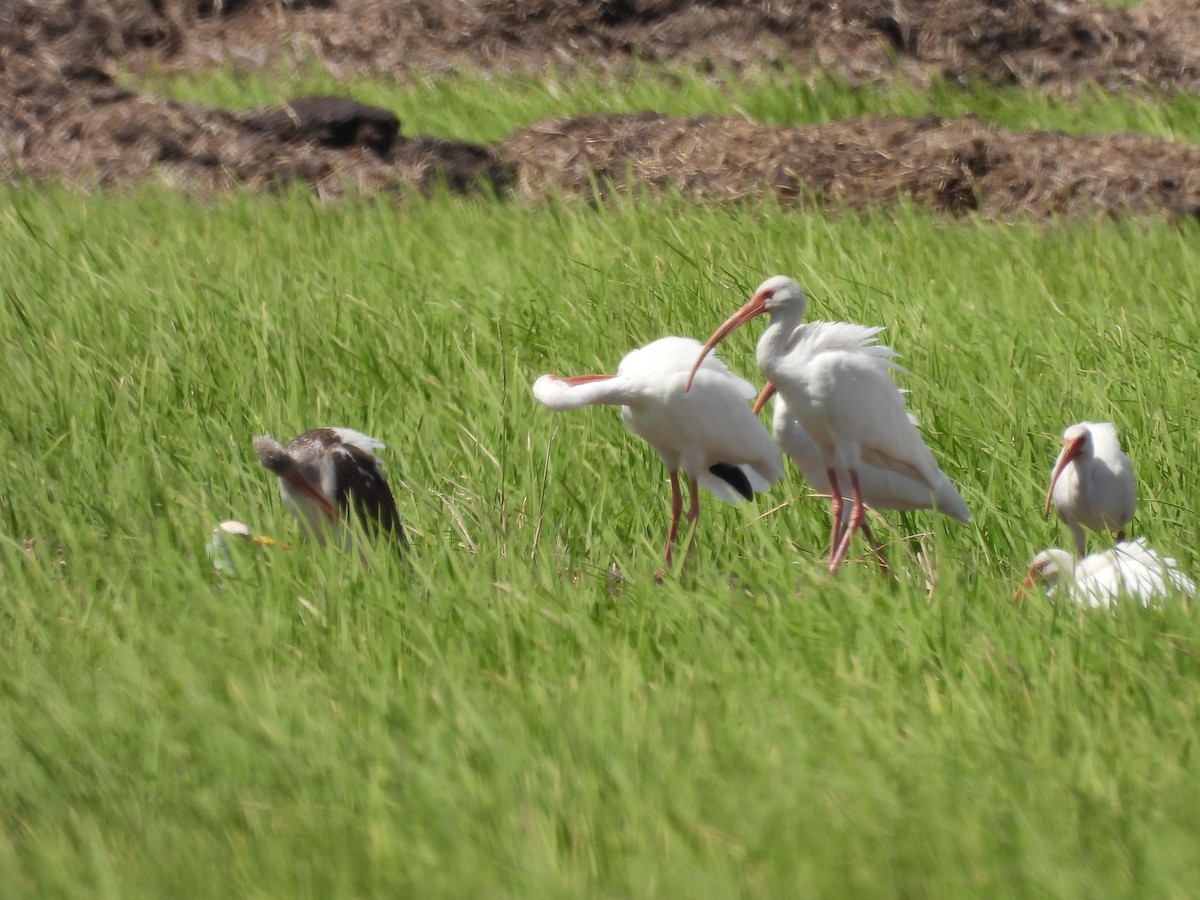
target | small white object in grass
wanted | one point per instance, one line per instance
(226, 540)
(219, 552)
(307, 606)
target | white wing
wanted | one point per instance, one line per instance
(1133, 569)
(357, 439)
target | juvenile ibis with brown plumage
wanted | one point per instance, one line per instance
(323, 474)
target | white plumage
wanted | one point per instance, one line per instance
(1129, 569)
(837, 384)
(708, 433)
(1091, 483)
(881, 488)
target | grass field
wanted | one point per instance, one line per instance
(485, 108)
(516, 709)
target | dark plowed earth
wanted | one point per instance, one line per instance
(63, 118)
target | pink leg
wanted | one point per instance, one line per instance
(676, 509)
(835, 507)
(693, 512)
(857, 515)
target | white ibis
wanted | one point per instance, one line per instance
(844, 397)
(881, 488)
(709, 433)
(325, 471)
(1129, 569)
(1091, 484)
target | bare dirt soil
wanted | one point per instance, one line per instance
(62, 117)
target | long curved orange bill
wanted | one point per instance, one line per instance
(582, 379)
(1070, 452)
(767, 392)
(264, 540)
(300, 483)
(755, 306)
(1026, 584)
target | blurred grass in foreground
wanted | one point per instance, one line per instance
(499, 714)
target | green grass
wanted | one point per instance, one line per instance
(493, 715)
(484, 108)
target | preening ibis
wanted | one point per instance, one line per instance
(325, 472)
(709, 433)
(845, 398)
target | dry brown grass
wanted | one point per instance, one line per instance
(62, 117)
(952, 165)
(1028, 41)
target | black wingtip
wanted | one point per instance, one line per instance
(734, 477)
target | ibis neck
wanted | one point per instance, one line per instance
(776, 337)
(564, 394)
